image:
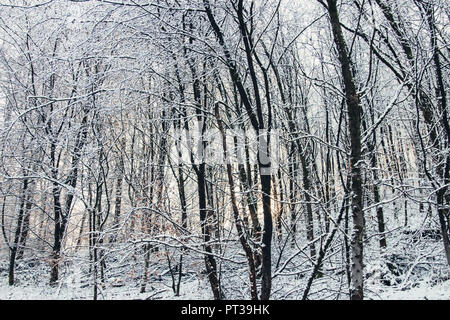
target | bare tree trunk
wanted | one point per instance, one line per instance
(237, 219)
(293, 193)
(26, 223)
(354, 123)
(118, 195)
(443, 199)
(257, 121)
(375, 181)
(15, 245)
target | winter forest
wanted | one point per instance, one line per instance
(224, 149)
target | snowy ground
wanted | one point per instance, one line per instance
(423, 291)
(192, 291)
(412, 268)
(420, 280)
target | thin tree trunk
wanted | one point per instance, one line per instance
(25, 225)
(118, 195)
(15, 245)
(257, 121)
(443, 201)
(244, 243)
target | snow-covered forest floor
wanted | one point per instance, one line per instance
(224, 149)
(412, 268)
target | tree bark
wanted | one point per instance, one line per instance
(354, 123)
